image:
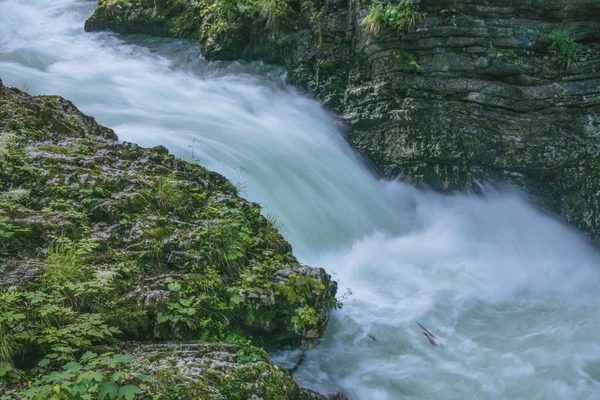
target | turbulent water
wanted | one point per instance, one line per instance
(511, 293)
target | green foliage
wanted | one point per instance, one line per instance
(510, 54)
(11, 316)
(53, 318)
(93, 376)
(304, 316)
(179, 311)
(225, 239)
(560, 95)
(198, 303)
(403, 17)
(297, 290)
(244, 356)
(565, 48)
(408, 59)
(6, 140)
(273, 13)
(271, 10)
(374, 20)
(54, 313)
(8, 202)
(64, 261)
(168, 196)
(270, 234)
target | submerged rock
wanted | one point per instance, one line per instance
(473, 93)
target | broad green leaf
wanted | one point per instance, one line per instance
(128, 392)
(109, 389)
(5, 368)
(97, 376)
(144, 378)
(118, 376)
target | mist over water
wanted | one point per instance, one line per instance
(513, 294)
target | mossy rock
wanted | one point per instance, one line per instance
(209, 371)
(156, 220)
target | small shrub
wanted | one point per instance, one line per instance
(564, 47)
(168, 195)
(8, 201)
(409, 59)
(64, 259)
(6, 140)
(93, 376)
(374, 20)
(446, 14)
(402, 17)
(271, 11)
(492, 50)
(510, 54)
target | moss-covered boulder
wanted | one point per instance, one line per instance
(225, 29)
(134, 245)
(169, 18)
(219, 371)
(504, 91)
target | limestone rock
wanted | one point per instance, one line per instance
(472, 95)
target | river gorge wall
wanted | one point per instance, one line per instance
(472, 93)
(154, 262)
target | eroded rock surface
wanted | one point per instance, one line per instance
(473, 94)
(220, 371)
(167, 249)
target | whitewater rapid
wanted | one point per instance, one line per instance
(512, 293)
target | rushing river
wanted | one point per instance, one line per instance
(513, 294)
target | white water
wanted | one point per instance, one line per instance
(513, 294)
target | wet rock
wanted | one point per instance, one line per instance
(215, 371)
(472, 95)
(15, 271)
(180, 255)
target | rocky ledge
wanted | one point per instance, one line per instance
(505, 90)
(104, 244)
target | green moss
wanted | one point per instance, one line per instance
(182, 256)
(326, 64)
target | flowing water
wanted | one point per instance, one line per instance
(511, 293)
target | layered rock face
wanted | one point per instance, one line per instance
(149, 248)
(465, 111)
(471, 94)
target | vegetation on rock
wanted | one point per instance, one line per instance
(104, 243)
(565, 48)
(482, 98)
(402, 17)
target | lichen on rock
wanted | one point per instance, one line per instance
(220, 371)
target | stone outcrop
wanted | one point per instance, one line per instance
(215, 371)
(166, 249)
(473, 94)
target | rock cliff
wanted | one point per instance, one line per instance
(474, 91)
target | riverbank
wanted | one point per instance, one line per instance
(108, 248)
